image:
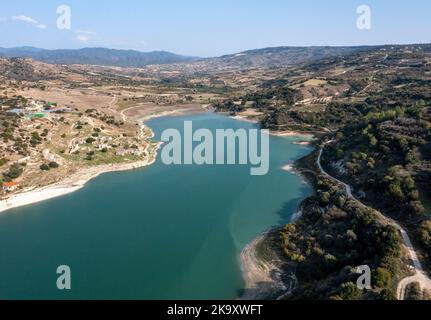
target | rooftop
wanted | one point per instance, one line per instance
(10, 184)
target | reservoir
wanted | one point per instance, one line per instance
(161, 232)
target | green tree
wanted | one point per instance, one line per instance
(350, 291)
(90, 140)
(409, 183)
(382, 278)
(325, 198)
(425, 232)
(53, 165)
(396, 191)
(44, 167)
(15, 171)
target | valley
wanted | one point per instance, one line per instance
(372, 102)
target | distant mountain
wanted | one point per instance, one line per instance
(282, 56)
(96, 56)
(278, 57)
(252, 59)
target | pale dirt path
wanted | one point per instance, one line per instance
(420, 276)
(114, 100)
(123, 115)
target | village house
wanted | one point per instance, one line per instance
(10, 186)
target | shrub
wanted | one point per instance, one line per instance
(325, 198)
(15, 171)
(396, 191)
(416, 208)
(425, 232)
(382, 278)
(3, 161)
(44, 167)
(53, 165)
(350, 291)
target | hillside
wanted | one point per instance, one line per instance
(373, 103)
(96, 56)
(252, 59)
(375, 107)
(286, 56)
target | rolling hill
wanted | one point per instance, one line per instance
(96, 56)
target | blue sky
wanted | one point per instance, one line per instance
(211, 28)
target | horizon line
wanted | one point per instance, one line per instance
(237, 52)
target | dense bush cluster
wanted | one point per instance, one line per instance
(334, 236)
(387, 153)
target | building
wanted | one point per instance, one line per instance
(10, 186)
(36, 116)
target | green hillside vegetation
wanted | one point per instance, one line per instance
(332, 238)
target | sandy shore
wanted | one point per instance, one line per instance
(171, 113)
(303, 143)
(162, 114)
(289, 168)
(245, 119)
(71, 184)
(289, 133)
(261, 272)
(286, 133)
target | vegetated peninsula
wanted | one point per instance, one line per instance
(368, 108)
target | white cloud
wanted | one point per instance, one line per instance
(82, 38)
(30, 20)
(85, 35)
(90, 33)
(24, 19)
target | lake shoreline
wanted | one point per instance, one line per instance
(73, 183)
(69, 185)
(308, 136)
(261, 267)
(79, 179)
(262, 276)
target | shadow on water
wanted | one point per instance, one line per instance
(271, 290)
(287, 211)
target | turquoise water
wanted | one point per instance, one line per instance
(162, 232)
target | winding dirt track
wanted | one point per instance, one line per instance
(420, 275)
